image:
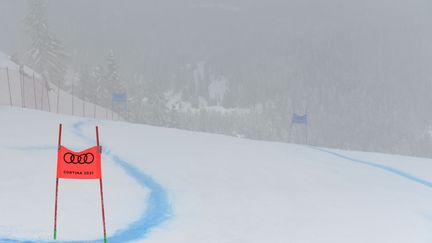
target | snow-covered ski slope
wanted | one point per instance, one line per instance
(166, 185)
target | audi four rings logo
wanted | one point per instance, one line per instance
(71, 158)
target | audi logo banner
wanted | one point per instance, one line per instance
(79, 165)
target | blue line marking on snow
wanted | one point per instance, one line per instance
(385, 168)
(158, 209)
(158, 204)
(78, 131)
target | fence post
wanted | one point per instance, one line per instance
(83, 107)
(34, 90)
(10, 93)
(48, 97)
(73, 98)
(41, 97)
(21, 88)
(58, 95)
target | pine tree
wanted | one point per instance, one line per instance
(108, 80)
(86, 87)
(46, 53)
(113, 85)
(156, 111)
(100, 94)
(112, 75)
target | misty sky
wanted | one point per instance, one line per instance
(189, 31)
(364, 67)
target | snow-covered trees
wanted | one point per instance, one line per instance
(97, 78)
(46, 53)
(113, 87)
(87, 86)
(113, 80)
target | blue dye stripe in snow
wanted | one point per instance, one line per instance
(158, 205)
(385, 168)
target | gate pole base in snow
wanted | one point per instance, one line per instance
(57, 185)
(55, 213)
(101, 188)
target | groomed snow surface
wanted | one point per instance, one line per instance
(166, 185)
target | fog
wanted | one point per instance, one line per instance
(360, 70)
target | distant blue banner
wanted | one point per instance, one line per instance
(299, 119)
(119, 97)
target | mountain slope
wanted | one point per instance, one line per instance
(167, 185)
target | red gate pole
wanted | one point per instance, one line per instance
(103, 210)
(55, 210)
(101, 188)
(56, 193)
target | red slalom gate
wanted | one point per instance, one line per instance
(86, 164)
